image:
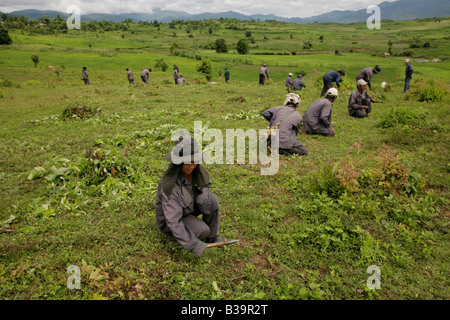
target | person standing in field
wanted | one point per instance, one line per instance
(130, 76)
(408, 75)
(145, 75)
(298, 83)
(176, 72)
(85, 76)
(263, 72)
(329, 78)
(227, 75)
(289, 83)
(367, 73)
(317, 119)
(183, 194)
(289, 122)
(359, 102)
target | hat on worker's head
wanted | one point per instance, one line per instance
(342, 71)
(290, 74)
(185, 151)
(300, 76)
(361, 82)
(377, 68)
(332, 92)
(407, 60)
(292, 99)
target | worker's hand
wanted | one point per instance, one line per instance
(333, 131)
(373, 101)
(366, 107)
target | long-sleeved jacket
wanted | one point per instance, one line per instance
(85, 75)
(175, 74)
(318, 115)
(366, 74)
(357, 100)
(264, 71)
(333, 76)
(130, 75)
(408, 72)
(145, 73)
(298, 84)
(182, 202)
(289, 83)
(288, 128)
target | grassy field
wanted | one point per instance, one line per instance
(79, 188)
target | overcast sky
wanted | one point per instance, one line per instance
(283, 8)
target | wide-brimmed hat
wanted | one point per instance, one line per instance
(377, 68)
(185, 151)
(342, 71)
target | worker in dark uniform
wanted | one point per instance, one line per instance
(289, 125)
(359, 102)
(367, 73)
(85, 76)
(289, 83)
(329, 78)
(298, 83)
(130, 76)
(408, 75)
(183, 194)
(263, 72)
(317, 119)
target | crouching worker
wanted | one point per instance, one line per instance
(183, 195)
(359, 102)
(289, 122)
(317, 119)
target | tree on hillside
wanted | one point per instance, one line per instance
(242, 46)
(4, 36)
(221, 46)
(35, 59)
(206, 68)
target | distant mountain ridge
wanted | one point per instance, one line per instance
(397, 10)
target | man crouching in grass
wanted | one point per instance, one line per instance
(183, 194)
(359, 102)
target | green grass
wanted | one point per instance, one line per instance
(308, 232)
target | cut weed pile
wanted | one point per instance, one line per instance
(80, 167)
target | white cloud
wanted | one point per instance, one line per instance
(284, 8)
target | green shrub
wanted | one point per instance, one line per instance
(402, 116)
(205, 67)
(4, 36)
(6, 83)
(429, 94)
(161, 64)
(242, 46)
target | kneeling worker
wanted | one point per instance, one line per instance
(359, 103)
(289, 122)
(183, 194)
(317, 119)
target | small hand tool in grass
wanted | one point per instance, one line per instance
(221, 244)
